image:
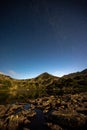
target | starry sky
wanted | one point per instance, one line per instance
(39, 36)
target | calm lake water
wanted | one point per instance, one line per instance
(14, 96)
(19, 95)
(23, 95)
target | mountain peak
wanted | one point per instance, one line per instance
(44, 75)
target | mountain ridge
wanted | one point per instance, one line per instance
(46, 74)
(71, 82)
(71, 75)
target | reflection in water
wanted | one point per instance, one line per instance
(38, 123)
(27, 106)
(4, 96)
(13, 96)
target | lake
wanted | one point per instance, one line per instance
(12, 96)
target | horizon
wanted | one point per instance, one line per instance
(54, 74)
(42, 36)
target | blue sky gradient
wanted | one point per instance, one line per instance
(42, 36)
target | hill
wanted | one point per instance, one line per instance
(72, 75)
(45, 76)
(71, 83)
(5, 82)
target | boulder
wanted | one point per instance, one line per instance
(68, 120)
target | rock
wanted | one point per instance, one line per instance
(13, 122)
(54, 126)
(82, 110)
(31, 114)
(46, 104)
(16, 107)
(1, 124)
(2, 110)
(26, 128)
(32, 106)
(62, 112)
(13, 109)
(68, 120)
(46, 110)
(3, 127)
(27, 122)
(15, 117)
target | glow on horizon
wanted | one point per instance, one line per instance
(26, 75)
(31, 75)
(42, 36)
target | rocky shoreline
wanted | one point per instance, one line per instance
(66, 112)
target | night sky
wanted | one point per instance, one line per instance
(39, 36)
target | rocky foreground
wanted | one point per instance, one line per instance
(67, 112)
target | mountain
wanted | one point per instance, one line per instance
(5, 82)
(45, 76)
(72, 75)
(74, 82)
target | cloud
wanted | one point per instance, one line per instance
(17, 75)
(2, 73)
(13, 73)
(22, 75)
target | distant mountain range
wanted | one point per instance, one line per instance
(74, 82)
